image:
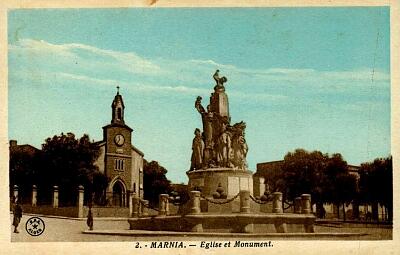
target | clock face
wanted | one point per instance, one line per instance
(119, 140)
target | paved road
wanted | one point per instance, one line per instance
(60, 230)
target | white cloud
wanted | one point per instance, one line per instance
(87, 63)
(85, 79)
(127, 61)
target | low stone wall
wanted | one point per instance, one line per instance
(239, 214)
(120, 212)
(233, 206)
(228, 223)
(70, 211)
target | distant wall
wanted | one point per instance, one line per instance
(107, 211)
(70, 211)
(100, 160)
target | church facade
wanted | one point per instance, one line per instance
(119, 160)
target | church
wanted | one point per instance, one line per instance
(118, 159)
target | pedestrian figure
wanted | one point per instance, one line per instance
(368, 216)
(89, 221)
(323, 212)
(17, 215)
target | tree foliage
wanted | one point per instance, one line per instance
(64, 161)
(325, 177)
(23, 168)
(155, 181)
(303, 173)
(376, 184)
(182, 191)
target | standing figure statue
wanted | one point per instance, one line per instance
(197, 151)
(239, 146)
(198, 105)
(220, 81)
(224, 147)
(216, 76)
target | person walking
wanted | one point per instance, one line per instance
(17, 215)
(89, 220)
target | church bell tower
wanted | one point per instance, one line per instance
(118, 154)
(118, 108)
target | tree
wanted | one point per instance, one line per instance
(155, 181)
(303, 173)
(275, 178)
(326, 178)
(340, 185)
(22, 171)
(376, 185)
(67, 162)
(182, 191)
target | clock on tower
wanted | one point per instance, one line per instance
(119, 140)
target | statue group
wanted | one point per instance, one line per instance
(220, 144)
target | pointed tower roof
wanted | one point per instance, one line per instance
(117, 99)
(118, 109)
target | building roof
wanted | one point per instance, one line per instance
(138, 151)
(269, 163)
(99, 143)
(117, 98)
(25, 148)
(102, 143)
(118, 125)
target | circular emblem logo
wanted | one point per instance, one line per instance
(35, 226)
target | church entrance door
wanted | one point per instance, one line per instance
(118, 194)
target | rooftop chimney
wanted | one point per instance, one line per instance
(13, 143)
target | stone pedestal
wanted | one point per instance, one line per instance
(277, 202)
(297, 205)
(195, 202)
(15, 193)
(231, 180)
(306, 203)
(163, 205)
(55, 196)
(219, 102)
(134, 205)
(245, 201)
(81, 191)
(34, 195)
(144, 208)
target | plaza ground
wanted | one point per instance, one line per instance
(68, 229)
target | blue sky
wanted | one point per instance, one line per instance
(312, 78)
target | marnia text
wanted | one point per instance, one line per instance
(213, 244)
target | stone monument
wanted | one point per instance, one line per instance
(219, 152)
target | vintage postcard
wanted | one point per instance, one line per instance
(174, 128)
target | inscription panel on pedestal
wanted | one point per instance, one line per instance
(233, 185)
(244, 183)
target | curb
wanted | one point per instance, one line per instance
(78, 219)
(210, 234)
